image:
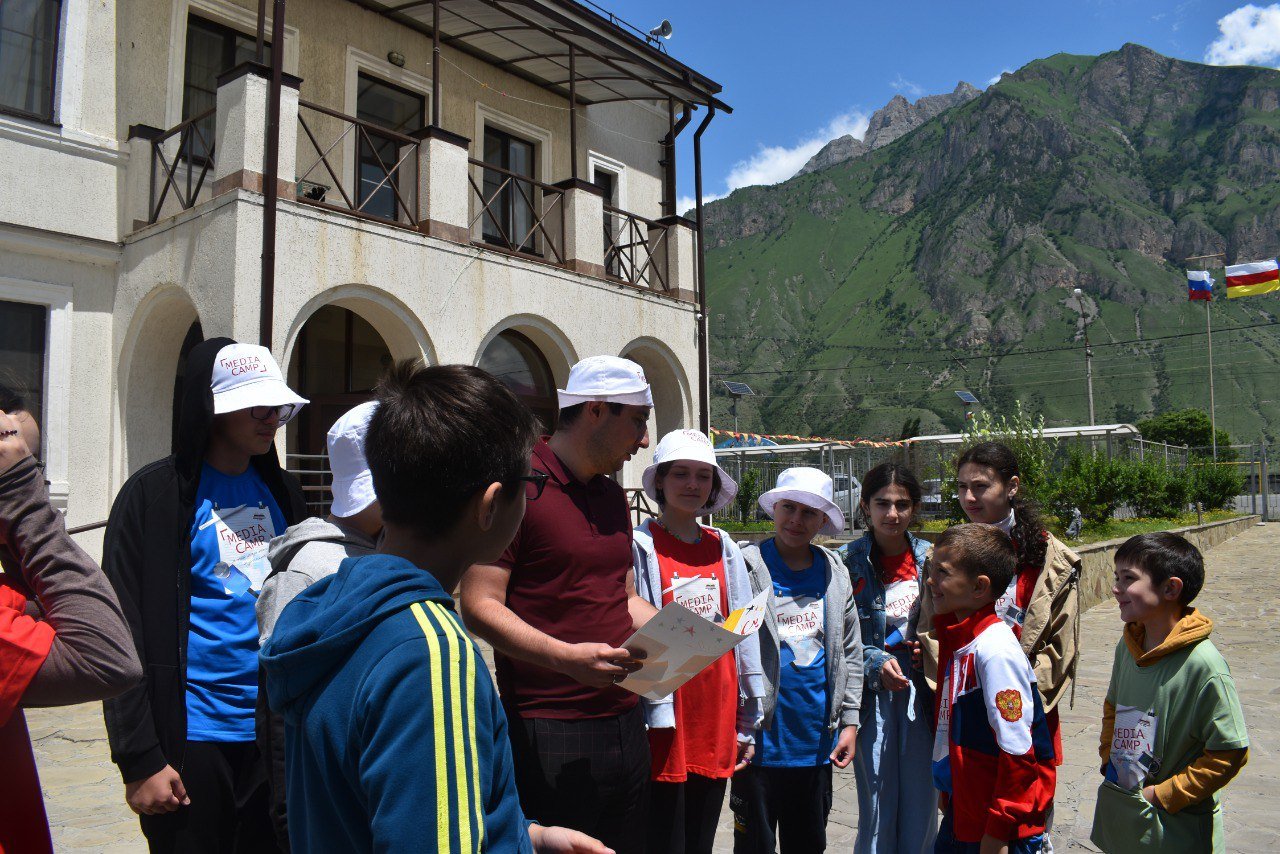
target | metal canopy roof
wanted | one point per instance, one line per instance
(1048, 433)
(532, 39)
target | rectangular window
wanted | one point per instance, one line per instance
(509, 219)
(28, 56)
(393, 108)
(23, 350)
(212, 49)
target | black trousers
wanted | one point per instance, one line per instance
(227, 785)
(590, 775)
(787, 805)
(683, 816)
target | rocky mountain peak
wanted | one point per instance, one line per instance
(892, 121)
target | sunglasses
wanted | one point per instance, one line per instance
(533, 484)
(263, 413)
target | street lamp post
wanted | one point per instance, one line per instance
(1088, 353)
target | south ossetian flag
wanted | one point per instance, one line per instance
(1253, 278)
(1199, 285)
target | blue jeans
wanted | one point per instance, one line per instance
(897, 804)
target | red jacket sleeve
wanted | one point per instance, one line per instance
(24, 644)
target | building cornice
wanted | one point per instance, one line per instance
(61, 140)
(56, 244)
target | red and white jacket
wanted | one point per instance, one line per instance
(993, 751)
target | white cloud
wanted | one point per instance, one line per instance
(994, 80)
(775, 163)
(685, 204)
(900, 83)
(1250, 36)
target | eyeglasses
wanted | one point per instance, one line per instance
(263, 413)
(533, 484)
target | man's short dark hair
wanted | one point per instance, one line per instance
(570, 414)
(438, 436)
(1162, 556)
(976, 549)
(716, 485)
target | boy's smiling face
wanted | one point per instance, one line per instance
(952, 590)
(1139, 598)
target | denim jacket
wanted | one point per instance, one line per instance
(869, 596)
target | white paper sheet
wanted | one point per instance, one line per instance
(677, 645)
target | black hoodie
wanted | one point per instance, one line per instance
(147, 557)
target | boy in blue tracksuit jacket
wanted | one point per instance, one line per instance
(394, 736)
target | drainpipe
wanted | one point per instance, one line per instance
(704, 381)
(271, 178)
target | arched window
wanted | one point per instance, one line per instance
(517, 362)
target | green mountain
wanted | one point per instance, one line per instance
(858, 296)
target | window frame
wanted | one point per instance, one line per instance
(366, 74)
(51, 118)
(56, 299)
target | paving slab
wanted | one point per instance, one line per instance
(85, 799)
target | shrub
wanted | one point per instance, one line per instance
(1214, 486)
(1024, 435)
(1158, 490)
(748, 492)
(1091, 482)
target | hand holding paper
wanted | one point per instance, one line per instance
(677, 645)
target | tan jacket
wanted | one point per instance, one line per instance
(1050, 632)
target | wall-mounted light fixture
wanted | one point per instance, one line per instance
(396, 58)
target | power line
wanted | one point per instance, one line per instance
(973, 357)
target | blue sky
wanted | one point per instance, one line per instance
(800, 73)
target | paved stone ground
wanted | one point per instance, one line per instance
(86, 803)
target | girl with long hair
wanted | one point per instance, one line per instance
(897, 805)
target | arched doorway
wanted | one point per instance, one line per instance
(672, 408)
(520, 365)
(195, 334)
(339, 358)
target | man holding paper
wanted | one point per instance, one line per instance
(557, 608)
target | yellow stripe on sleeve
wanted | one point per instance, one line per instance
(473, 760)
(460, 765)
(443, 835)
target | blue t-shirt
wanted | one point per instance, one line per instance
(798, 736)
(236, 517)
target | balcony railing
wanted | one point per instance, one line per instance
(193, 158)
(384, 185)
(517, 213)
(634, 249)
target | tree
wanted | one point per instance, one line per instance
(1187, 427)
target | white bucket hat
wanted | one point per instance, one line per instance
(352, 483)
(695, 447)
(606, 378)
(810, 487)
(245, 376)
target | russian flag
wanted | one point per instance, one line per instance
(1199, 285)
(1253, 278)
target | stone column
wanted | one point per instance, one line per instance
(241, 120)
(583, 227)
(680, 266)
(444, 191)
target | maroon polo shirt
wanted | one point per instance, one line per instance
(569, 563)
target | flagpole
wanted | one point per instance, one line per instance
(1208, 325)
(1213, 421)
